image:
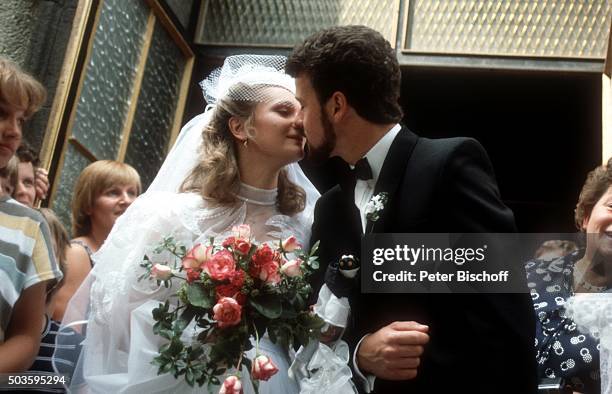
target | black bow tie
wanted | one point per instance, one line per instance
(362, 170)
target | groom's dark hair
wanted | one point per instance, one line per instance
(356, 61)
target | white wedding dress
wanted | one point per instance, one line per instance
(114, 309)
(120, 344)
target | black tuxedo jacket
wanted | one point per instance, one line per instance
(479, 343)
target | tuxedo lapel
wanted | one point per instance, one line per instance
(392, 173)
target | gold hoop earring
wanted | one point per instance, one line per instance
(245, 143)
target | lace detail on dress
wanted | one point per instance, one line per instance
(257, 196)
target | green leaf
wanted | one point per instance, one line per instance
(164, 368)
(197, 296)
(268, 305)
(189, 378)
(289, 311)
(196, 353)
(175, 348)
(160, 312)
(314, 248)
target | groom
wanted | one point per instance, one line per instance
(348, 82)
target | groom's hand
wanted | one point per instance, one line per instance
(394, 351)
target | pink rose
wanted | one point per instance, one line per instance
(242, 232)
(221, 265)
(291, 244)
(161, 272)
(263, 368)
(227, 312)
(292, 268)
(197, 256)
(231, 385)
(268, 272)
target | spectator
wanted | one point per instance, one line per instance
(32, 182)
(563, 350)
(102, 193)
(26, 254)
(50, 327)
(9, 177)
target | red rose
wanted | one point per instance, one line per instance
(242, 246)
(263, 368)
(231, 385)
(229, 242)
(263, 255)
(237, 278)
(268, 272)
(240, 298)
(226, 291)
(240, 241)
(227, 312)
(192, 274)
(221, 265)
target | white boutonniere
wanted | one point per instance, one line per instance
(375, 206)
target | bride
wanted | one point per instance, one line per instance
(234, 164)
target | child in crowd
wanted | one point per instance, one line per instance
(9, 177)
(51, 328)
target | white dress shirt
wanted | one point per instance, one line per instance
(364, 190)
(376, 157)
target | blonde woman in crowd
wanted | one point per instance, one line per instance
(103, 191)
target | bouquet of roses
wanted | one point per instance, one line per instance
(233, 292)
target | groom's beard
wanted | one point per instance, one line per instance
(319, 154)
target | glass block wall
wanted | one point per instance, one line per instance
(549, 28)
(104, 100)
(287, 22)
(156, 107)
(109, 100)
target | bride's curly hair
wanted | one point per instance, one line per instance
(216, 177)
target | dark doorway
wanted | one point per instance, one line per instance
(542, 132)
